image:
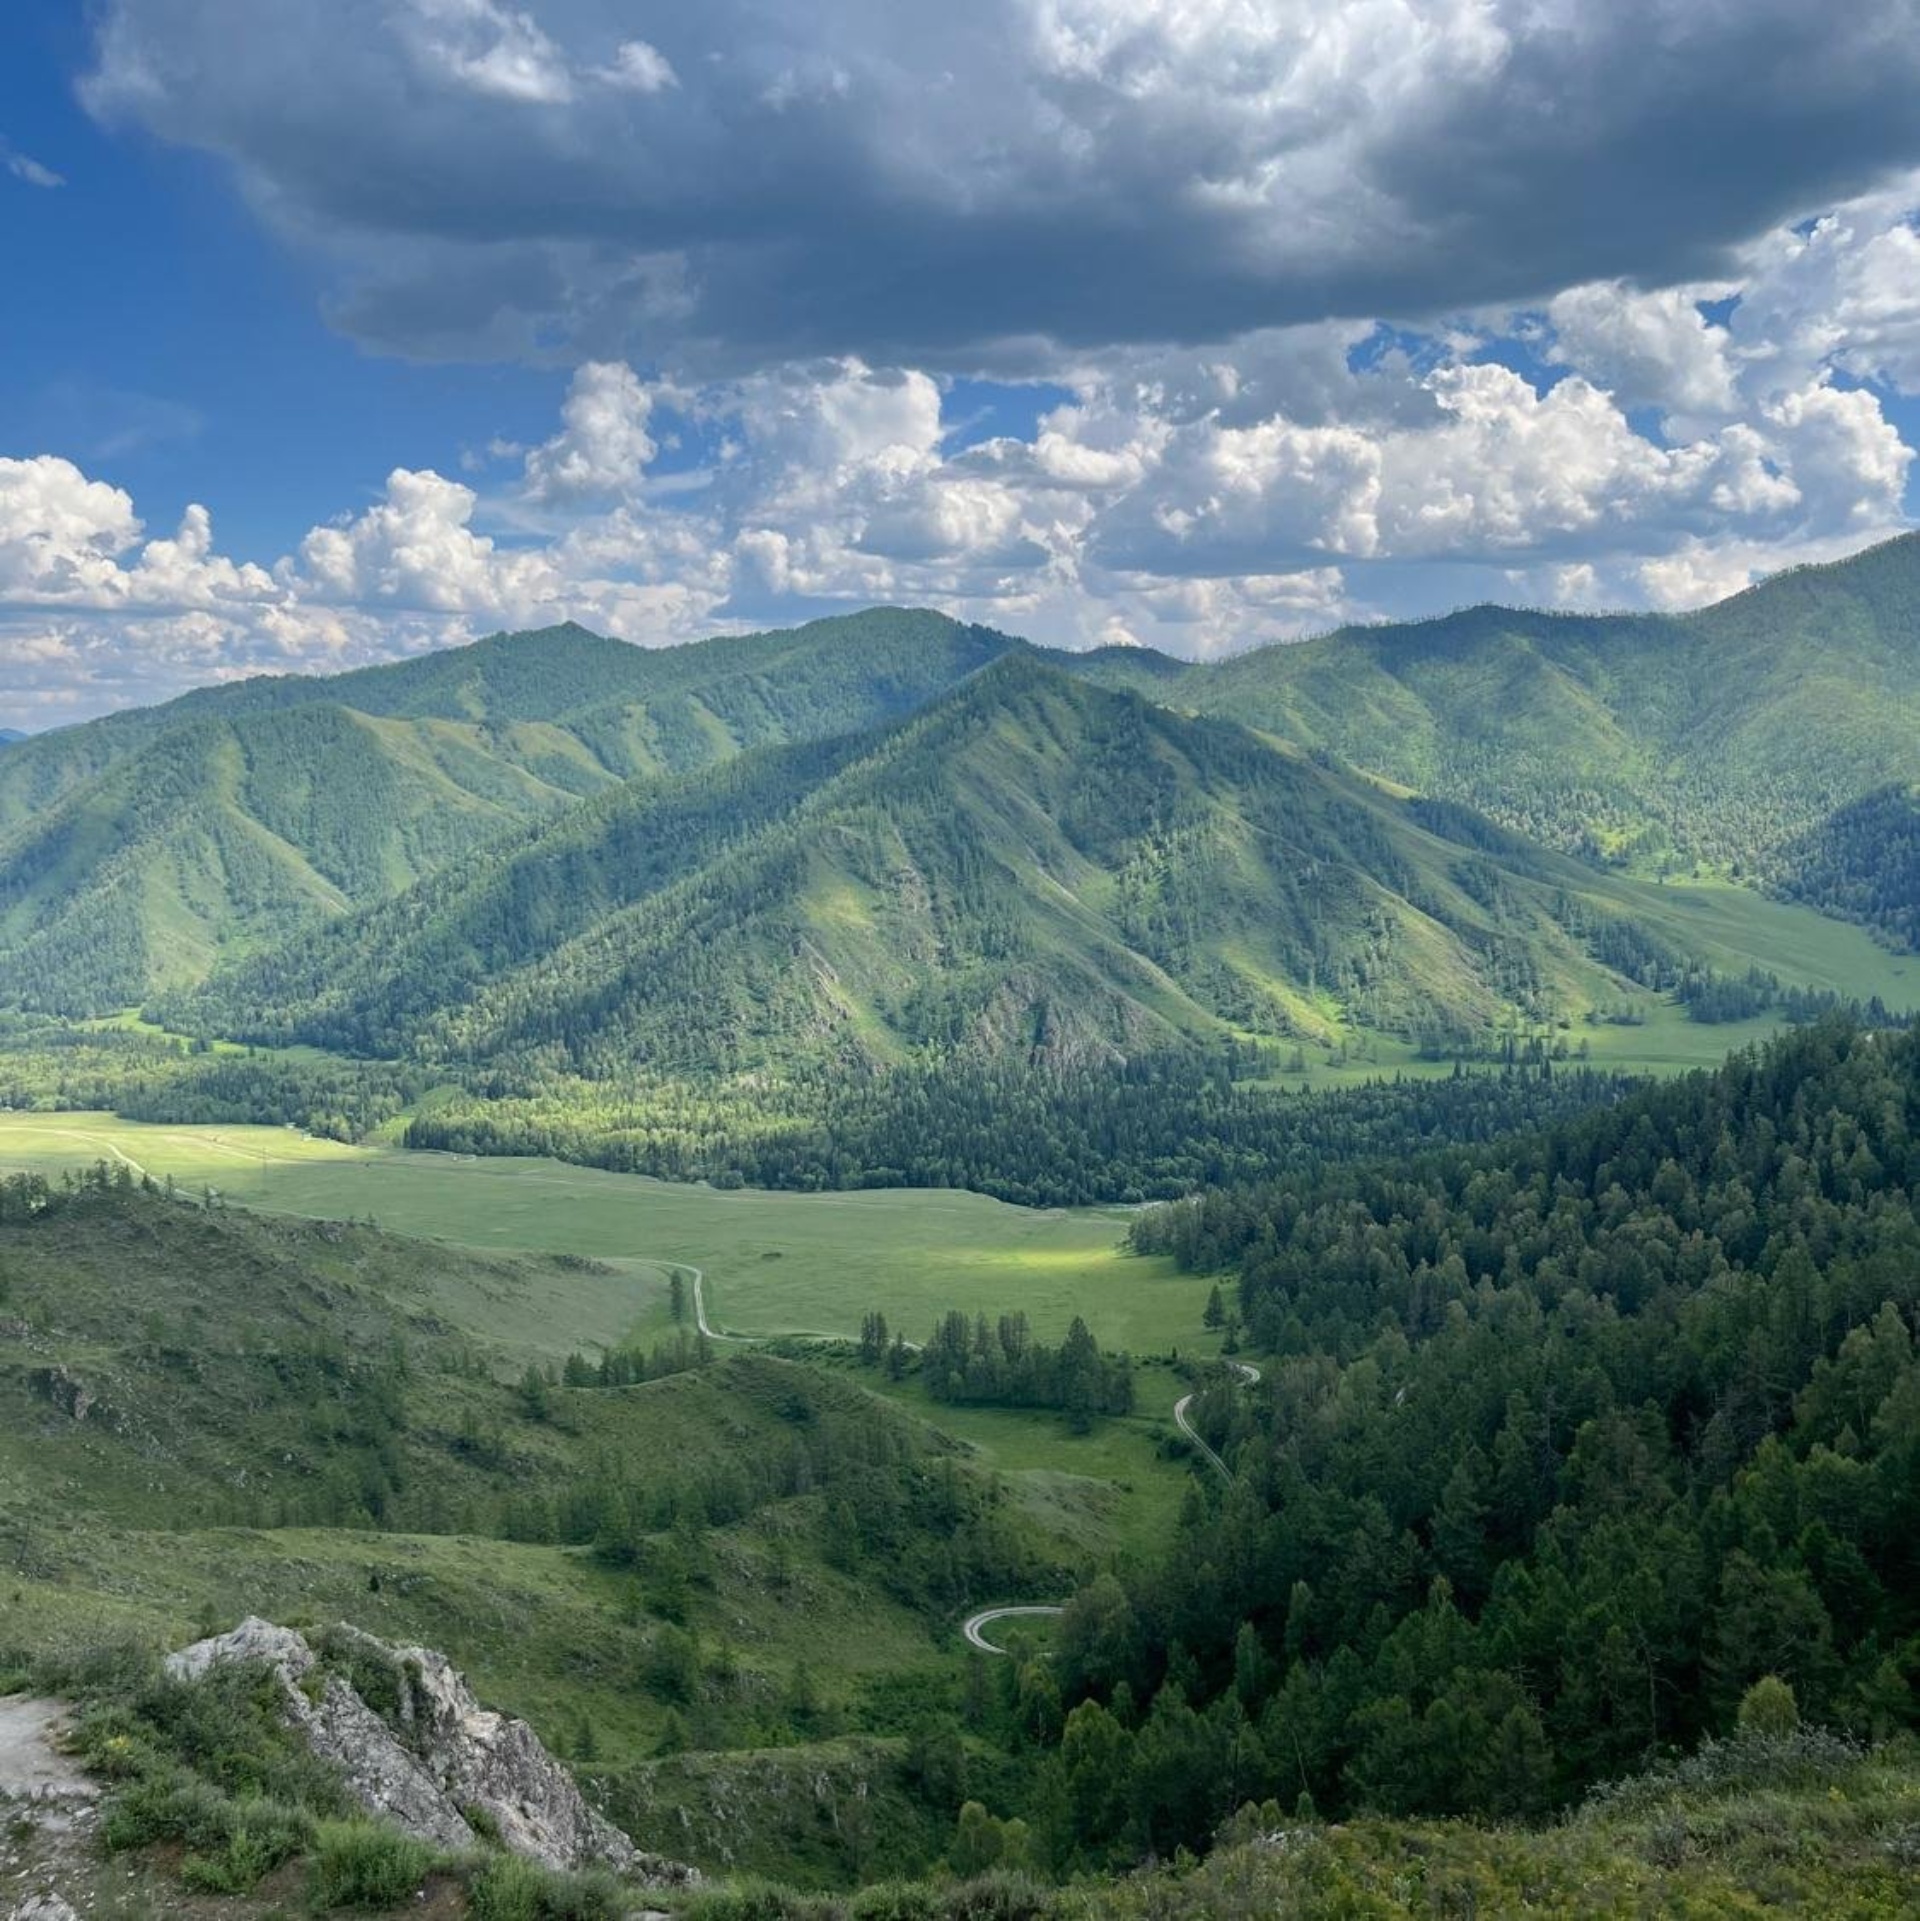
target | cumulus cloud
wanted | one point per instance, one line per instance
(64, 542)
(922, 184)
(603, 446)
(1614, 446)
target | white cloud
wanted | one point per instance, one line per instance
(1647, 349)
(1844, 292)
(64, 540)
(487, 49)
(1198, 500)
(603, 447)
(24, 167)
(639, 68)
(59, 531)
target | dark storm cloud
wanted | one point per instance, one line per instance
(732, 182)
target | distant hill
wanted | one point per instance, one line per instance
(8, 735)
(137, 850)
(1722, 736)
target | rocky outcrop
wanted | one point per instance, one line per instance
(43, 1907)
(71, 1395)
(422, 1752)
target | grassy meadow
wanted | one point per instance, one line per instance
(774, 1263)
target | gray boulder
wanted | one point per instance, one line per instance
(43, 1907)
(433, 1761)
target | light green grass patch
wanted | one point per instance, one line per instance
(775, 1263)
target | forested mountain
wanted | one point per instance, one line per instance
(137, 849)
(223, 831)
(1720, 736)
(1564, 1445)
(1863, 863)
(1773, 736)
(1033, 869)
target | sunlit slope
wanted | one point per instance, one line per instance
(1717, 735)
(1032, 869)
(138, 851)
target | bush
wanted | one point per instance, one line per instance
(358, 1864)
(170, 1806)
(383, 1681)
(98, 1668)
(996, 1897)
(508, 1888)
(901, 1901)
(993, 1897)
(1808, 1758)
(264, 1835)
(1768, 1709)
(759, 1903)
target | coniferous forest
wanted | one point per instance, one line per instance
(1564, 1447)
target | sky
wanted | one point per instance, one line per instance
(336, 330)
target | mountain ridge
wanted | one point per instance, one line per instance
(1734, 740)
(102, 903)
(1030, 868)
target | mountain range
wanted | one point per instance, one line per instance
(1032, 867)
(138, 850)
(891, 833)
(1724, 736)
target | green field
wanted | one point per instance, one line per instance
(774, 1263)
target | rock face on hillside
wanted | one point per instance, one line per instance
(418, 1749)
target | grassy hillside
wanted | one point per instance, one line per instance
(138, 850)
(1716, 736)
(315, 1420)
(1633, 1441)
(1033, 870)
(1801, 1826)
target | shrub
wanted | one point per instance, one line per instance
(97, 1668)
(996, 1897)
(508, 1888)
(1768, 1709)
(359, 1864)
(264, 1835)
(169, 1805)
(901, 1901)
(758, 1903)
(484, 1823)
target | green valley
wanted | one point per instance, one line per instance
(676, 1179)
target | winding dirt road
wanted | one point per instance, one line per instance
(700, 1304)
(974, 1627)
(974, 1624)
(1251, 1376)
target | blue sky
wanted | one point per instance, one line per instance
(156, 334)
(341, 328)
